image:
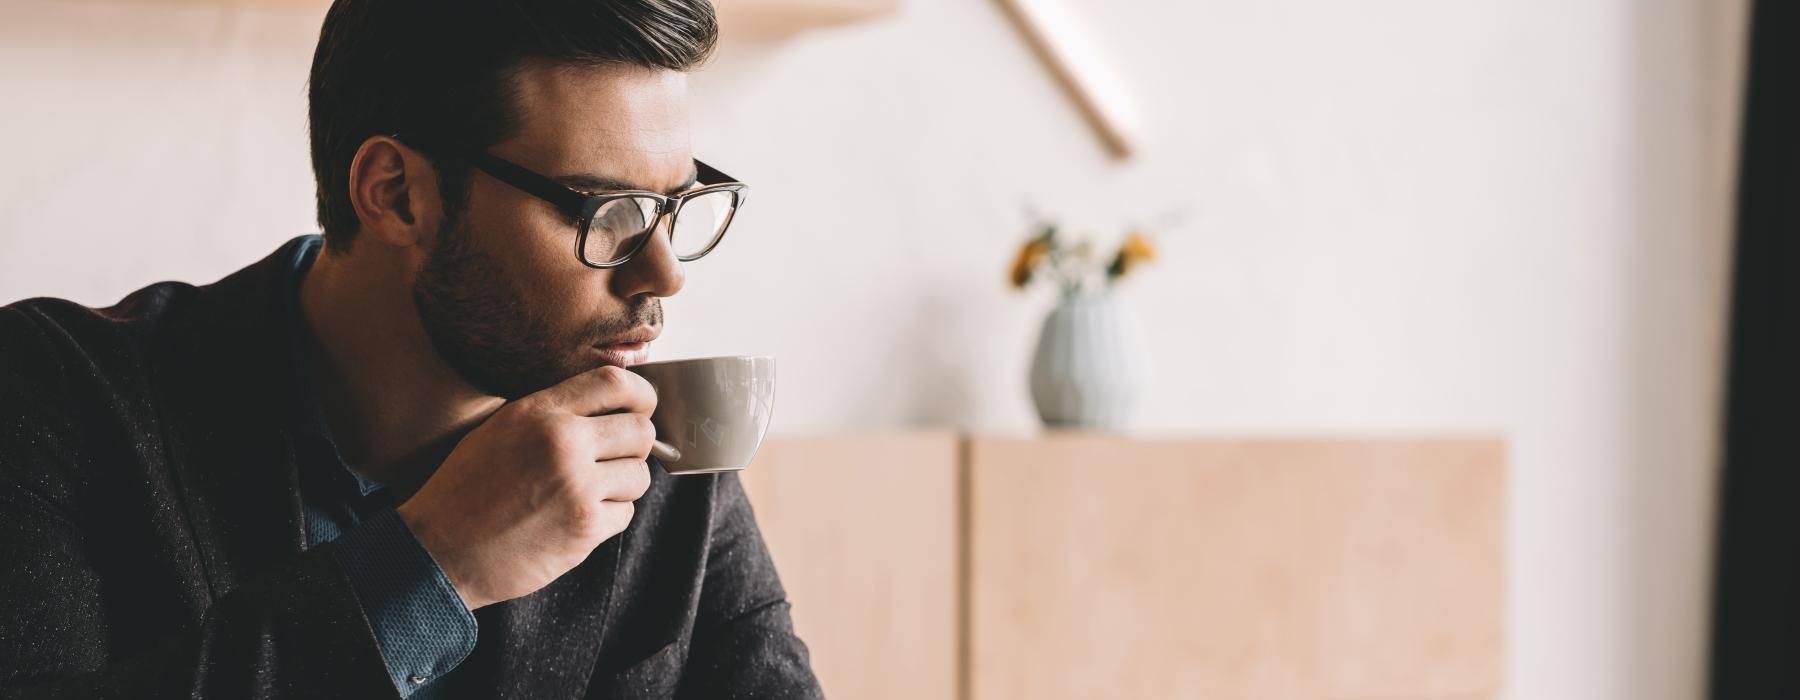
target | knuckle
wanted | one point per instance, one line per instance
(525, 405)
(613, 375)
(597, 521)
(582, 516)
(639, 483)
(509, 419)
(567, 480)
(638, 382)
(530, 408)
(632, 386)
(646, 392)
(629, 435)
(562, 443)
(621, 512)
(627, 481)
(539, 423)
(603, 519)
(642, 437)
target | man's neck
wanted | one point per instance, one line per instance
(395, 409)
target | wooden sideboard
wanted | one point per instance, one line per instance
(1089, 566)
(865, 533)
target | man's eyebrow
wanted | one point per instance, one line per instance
(586, 182)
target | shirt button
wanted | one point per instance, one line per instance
(416, 679)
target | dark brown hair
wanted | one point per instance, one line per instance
(440, 72)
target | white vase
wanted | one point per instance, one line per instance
(1090, 364)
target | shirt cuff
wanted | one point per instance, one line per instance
(420, 623)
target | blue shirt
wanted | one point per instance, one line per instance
(420, 623)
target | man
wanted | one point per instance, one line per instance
(403, 459)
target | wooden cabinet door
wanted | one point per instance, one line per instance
(864, 532)
(1103, 567)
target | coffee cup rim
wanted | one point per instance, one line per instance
(687, 360)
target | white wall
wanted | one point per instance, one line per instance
(1404, 216)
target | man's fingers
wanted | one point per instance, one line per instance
(620, 436)
(603, 390)
(623, 479)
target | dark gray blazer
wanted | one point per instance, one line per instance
(151, 540)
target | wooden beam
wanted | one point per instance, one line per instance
(780, 17)
(1058, 41)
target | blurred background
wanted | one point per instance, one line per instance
(1504, 219)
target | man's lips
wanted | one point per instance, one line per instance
(623, 354)
(629, 349)
(639, 335)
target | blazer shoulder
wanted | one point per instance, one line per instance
(57, 341)
(74, 380)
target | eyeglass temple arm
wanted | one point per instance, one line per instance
(563, 197)
(568, 200)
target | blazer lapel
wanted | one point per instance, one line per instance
(226, 379)
(546, 645)
(599, 623)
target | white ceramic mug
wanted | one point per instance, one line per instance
(712, 410)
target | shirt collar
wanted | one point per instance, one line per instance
(306, 419)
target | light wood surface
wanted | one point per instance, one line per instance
(764, 18)
(778, 17)
(1112, 568)
(864, 530)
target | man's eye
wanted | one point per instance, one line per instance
(622, 217)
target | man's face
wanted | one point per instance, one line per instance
(501, 293)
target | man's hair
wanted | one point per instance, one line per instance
(440, 73)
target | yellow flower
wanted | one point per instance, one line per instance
(1134, 251)
(1027, 261)
(1137, 249)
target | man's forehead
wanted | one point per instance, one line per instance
(607, 125)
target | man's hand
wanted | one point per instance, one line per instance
(529, 494)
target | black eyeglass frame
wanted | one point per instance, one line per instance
(583, 206)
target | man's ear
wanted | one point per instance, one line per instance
(394, 190)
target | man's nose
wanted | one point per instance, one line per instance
(654, 271)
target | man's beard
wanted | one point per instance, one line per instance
(481, 326)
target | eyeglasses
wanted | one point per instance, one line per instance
(614, 225)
